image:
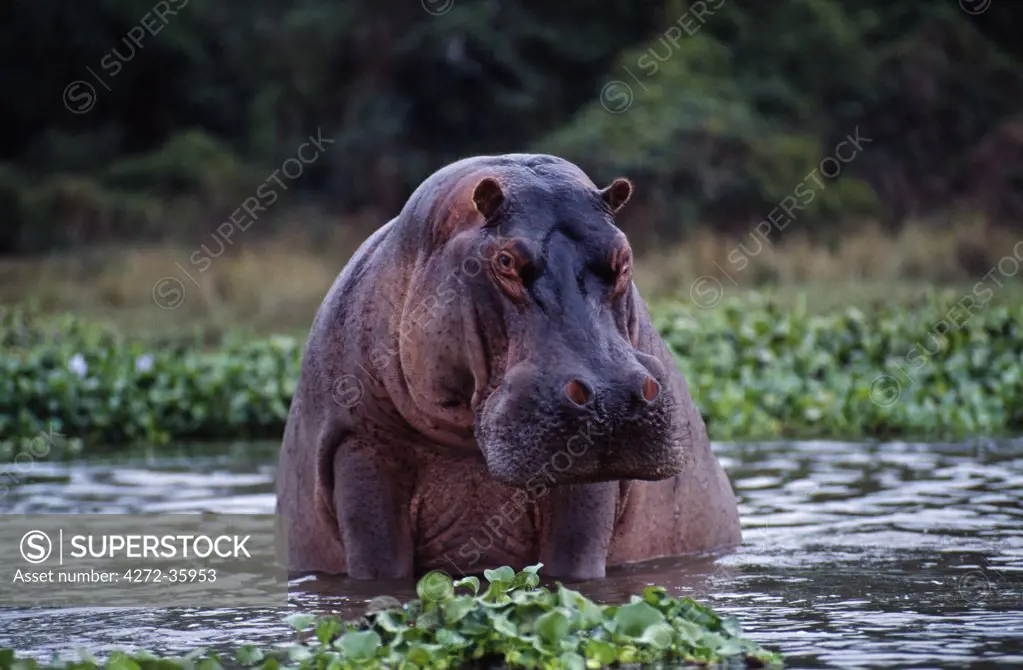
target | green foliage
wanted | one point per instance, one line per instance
(399, 90)
(755, 370)
(87, 382)
(515, 622)
(731, 110)
(190, 162)
(165, 191)
(727, 116)
(758, 370)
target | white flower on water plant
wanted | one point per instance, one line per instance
(144, 363)
(78, 365)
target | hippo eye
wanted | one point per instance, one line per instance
(621, 269)
(506, 260)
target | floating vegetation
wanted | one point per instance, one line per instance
(756, 371)
(514, 623)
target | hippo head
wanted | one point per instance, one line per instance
(560, 344)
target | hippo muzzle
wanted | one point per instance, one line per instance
(571, 425)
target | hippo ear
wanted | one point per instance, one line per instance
(617, 193)
(487, 196)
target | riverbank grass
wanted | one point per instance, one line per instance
(272, 285)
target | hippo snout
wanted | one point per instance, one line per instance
(633, 394)
(578, 427)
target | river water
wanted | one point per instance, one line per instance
(903, 555)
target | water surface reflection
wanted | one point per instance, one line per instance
(855, 555)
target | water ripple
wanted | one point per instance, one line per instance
(897, 554)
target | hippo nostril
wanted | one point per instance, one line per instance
(578, 392)
(650, 389)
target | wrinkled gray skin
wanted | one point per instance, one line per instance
(482, 386)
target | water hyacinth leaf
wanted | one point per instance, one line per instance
(121, 662)
(435, 586)
(731, 626)
(195, 654)
(529, 576)
(248, 655)
(503, 575)
(628, 653)
(571, 661)
(524, 598)
(689, 632)
(85, 656)
(527, 579)
(711, 641)
(698, 614)
(590, 614)
(299, 621)
(474, 627)
(409, 635)
(526, 658)
(729, 648)
(457, 608)
(299, 653)
(503, 626)
(544, 631)
(633, 619)
(552, 626)
(212, 663)
(429, 619)
(496, 596)
(472, 581)
(655, 595)
(382, 603)
(568, 597)
(659, 636)
(360, 645)
(451, 639)
(392, 622)
(423, 655)
(601, 651)
(327, 630)
(172, 664)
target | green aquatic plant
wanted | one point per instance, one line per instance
(756, 371)
(97, 388)
(514, 623)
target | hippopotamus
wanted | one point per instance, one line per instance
(482, 386)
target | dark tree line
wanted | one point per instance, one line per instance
(191, 103)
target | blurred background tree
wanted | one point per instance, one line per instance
(734, 116)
